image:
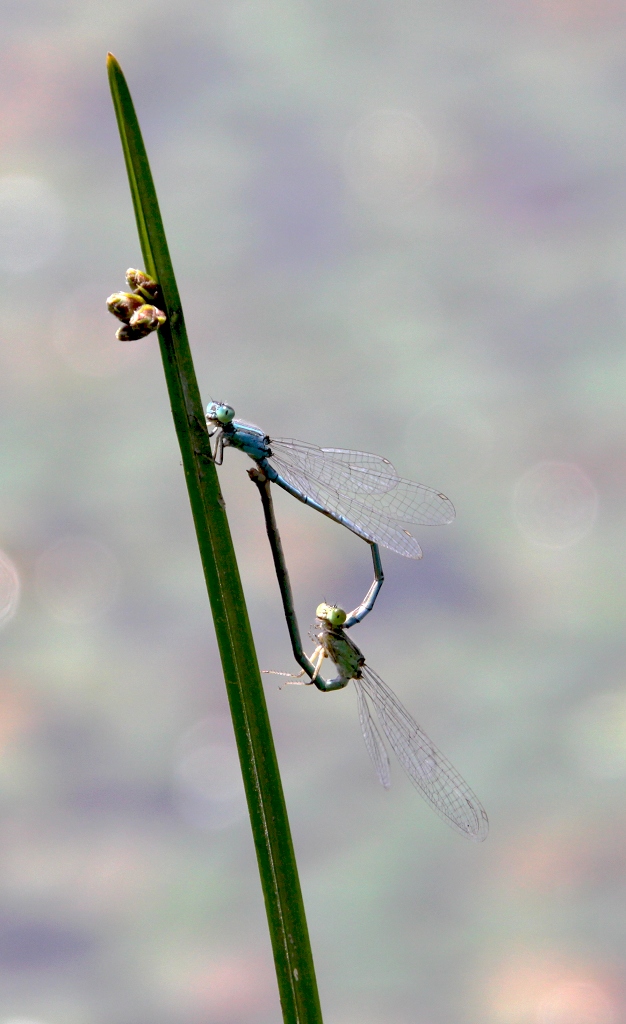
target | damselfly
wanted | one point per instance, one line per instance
(357, 489)
(429, 770)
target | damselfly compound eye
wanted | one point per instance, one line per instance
(336, 616)
(331, 613)
(224, 413)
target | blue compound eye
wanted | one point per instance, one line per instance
(224, 413)
(220, 412)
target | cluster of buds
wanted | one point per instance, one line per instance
(135, 308)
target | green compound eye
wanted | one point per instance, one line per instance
(220, 411)
(331, 613)
(224, 413)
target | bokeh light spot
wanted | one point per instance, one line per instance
(555, 504)
(77, 579)
(389, 157)
(576, 1002)
(32, 223)
(541, 987)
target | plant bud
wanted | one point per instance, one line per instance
(142, 283)
(123, 305)
(126, 333)
(147, 319)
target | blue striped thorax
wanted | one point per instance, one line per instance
(248, 438)
(237, 433)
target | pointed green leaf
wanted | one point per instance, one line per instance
(266, 804)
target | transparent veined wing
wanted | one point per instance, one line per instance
(370, 478)
(358, 473)
(438, 781)
(365, 489)
(373, 740)
(364, 521)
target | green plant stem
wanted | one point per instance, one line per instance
(259, 766)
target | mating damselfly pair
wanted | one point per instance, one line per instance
(364, 493)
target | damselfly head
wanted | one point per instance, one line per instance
(331, 614)
(219, 412)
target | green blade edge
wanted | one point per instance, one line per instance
(264, 793)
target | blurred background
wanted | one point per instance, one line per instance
(398, 227)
